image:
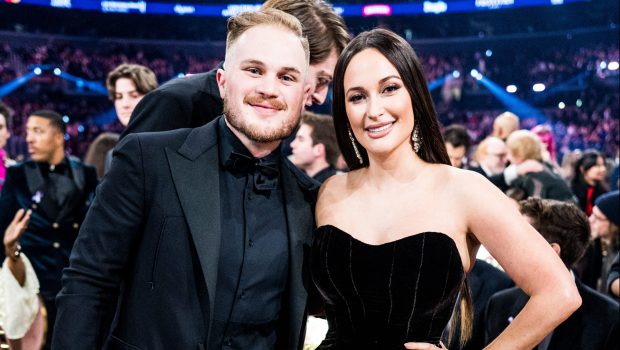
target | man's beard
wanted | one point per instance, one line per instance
(257, 133)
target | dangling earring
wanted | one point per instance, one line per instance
(417, 140)
(357, 152)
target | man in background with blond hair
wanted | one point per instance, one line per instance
(196, 238)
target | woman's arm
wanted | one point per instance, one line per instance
(528, 259)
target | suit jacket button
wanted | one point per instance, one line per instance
(55, 225)
(56, 245)
(76, 225)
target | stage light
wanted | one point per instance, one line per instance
(57, 71)
(180, 75)
(81, 128)
(612, 65)
(79, 83)
(538, 87)
(456, 74)
(65, 118)
(511, 88)
(37, 71)
(488, 53)
(578, 103)
(561, 105)
(473, 73)
(603, 65)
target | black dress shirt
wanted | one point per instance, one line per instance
(253, 267)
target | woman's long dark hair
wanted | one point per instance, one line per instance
(588, 159)
(432, 147)
(406, 62)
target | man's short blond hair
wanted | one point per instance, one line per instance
(265, 16)
(525, 145)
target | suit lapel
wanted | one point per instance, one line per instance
(195, 174)
(34, 178)
(300, 222)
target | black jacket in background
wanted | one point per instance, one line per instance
(186, 102)
(594, 326)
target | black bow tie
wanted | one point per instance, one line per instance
(265, 172)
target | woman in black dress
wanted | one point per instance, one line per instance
(397, 235)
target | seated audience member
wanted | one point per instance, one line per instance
(524, 145)
(613, 280)
(594, 326)
(589, 179)
(457, 142)
(97, 154)
(5, 161)
(315, 149)
(604, 221)
(505, 124)
(491, 156)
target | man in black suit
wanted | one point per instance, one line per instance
(595, 324)
(195, 100)
(197, 237)
(57, 190)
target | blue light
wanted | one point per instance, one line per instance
(456, 74)
(37, 71)
(67, 137)
(488, 53)
(57, 71)
(79, 83)
(65, 118)
(180, 75)
(80, 128)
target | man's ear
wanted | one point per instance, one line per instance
(221, 82)
(557, 248)
(318, 149)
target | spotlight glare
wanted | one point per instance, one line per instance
(578, 103)
(488, 53)
(456, 74)
(561, 105)
(511, 88)
(473, 73)
(603, 65)
(37, 71)
(180, 75)
(613, 65)
(538, 87)
(65, 118)
(57, 71)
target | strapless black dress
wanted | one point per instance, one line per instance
(382, 296)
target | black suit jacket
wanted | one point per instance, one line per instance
(47, 240)
(186, 102)
(148, 251)
(594, 326)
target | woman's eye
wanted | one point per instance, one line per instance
(391, 88)
(356, 98)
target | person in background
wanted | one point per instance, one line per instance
(589, 180)
(594, 267)
(57, 189)
(523, 145)
(491, 156)
(5, 134)
(127, 85)
(457, 142)
(98, 153)
(613, 280)
(504, 125)
(315, 149)
(594, 326)
(193, 101)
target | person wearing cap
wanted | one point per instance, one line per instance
(605, 244)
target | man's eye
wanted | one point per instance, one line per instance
(287, 77)
(253, 70)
